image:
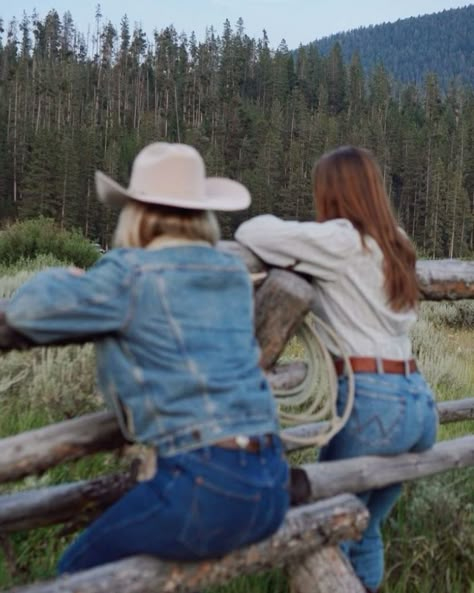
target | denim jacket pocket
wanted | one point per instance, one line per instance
(220, 518)
(377, 420)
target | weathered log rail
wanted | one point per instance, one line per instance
(306, 544)
(83, 500)
(306, 530)
(37, 450)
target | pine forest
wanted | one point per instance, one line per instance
(71, 104)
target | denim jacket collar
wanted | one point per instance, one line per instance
(169, 241)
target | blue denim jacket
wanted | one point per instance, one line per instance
(177, 357)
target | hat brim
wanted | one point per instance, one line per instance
(220, 193)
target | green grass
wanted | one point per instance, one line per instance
(429, 535)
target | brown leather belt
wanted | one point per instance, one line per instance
(250, 444)
(364, 364)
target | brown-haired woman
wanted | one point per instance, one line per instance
(366, 289)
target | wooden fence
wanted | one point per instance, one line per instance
(306, 545)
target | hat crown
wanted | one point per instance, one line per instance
(173, 175)
(175, 170)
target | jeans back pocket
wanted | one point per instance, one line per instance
(378, 420)
(221, 518)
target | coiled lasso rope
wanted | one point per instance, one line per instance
(315, 398)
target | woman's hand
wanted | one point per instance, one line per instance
(75, 271)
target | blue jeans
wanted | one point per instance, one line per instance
(392, 414)
(201, 504)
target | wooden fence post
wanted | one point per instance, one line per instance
(280, 306)
(324, 571)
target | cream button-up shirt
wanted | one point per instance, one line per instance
(348, 281)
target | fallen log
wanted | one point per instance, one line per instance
(305, 530)
(288, 375)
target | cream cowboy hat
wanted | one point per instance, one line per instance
(173, 175)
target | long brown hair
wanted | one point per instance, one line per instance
(347, 183)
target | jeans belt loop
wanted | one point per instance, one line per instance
(379, 364)
(406, 363)
(261, 441)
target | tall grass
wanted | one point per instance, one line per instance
(429, 536)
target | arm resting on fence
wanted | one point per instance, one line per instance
(439, 279)
(445, 279)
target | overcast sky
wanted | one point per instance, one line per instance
(297, 21)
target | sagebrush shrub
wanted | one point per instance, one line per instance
(42, 236)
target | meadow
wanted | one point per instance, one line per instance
(429, 535)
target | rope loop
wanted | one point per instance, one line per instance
(315, 398)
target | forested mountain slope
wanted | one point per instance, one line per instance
(259, 115)
(442, 43)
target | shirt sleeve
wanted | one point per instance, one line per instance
(318, 249)
(57, 304)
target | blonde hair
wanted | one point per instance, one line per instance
(140, 223)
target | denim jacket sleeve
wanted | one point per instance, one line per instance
(57, 304)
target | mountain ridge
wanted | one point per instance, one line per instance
(440, 42)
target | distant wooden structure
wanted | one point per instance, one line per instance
(306, 544)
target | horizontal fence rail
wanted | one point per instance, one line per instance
(83, 500)
(37, 450)
(367, 473)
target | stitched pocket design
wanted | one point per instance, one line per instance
(377, 420)
(219, 519)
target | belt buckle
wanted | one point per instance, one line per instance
(242, 441)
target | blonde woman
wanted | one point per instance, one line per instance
(177, 361)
